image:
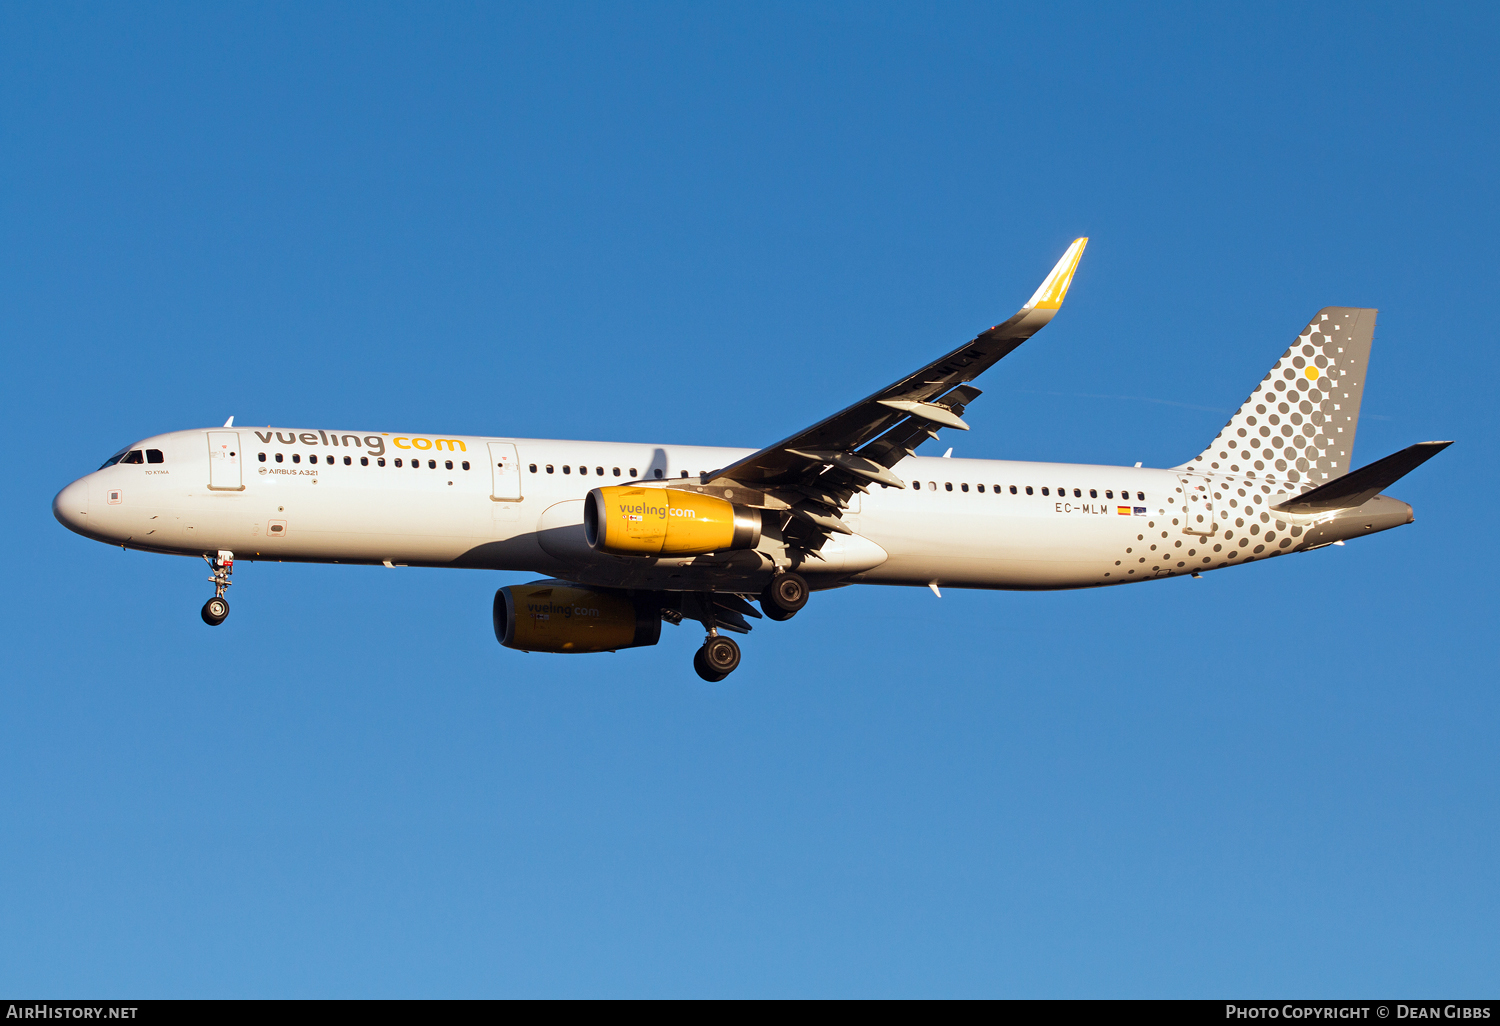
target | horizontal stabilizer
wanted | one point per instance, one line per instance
(1362, 485)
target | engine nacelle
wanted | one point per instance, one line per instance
(666, 522)
(550, 617)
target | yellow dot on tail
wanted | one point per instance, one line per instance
(1312, 374)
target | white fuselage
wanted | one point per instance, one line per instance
(960, 523)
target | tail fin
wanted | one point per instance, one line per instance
(1298, 425)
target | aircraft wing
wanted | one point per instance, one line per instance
(816, 470)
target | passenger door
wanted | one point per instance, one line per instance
(224, 462)
(505, 469)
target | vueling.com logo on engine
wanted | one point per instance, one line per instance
(544, 610)
(642, 511)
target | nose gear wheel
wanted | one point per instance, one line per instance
(215, 611)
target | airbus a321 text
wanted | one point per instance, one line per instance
(630, 535)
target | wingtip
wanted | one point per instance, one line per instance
(1055, 288)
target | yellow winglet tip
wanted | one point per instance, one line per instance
(1055, 288)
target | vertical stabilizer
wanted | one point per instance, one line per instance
(1298, 425)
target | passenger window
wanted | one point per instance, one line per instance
(932, 485)
(533, 468)
(380, 461)
(600, 471)
(447, 464)
(632, 472)
(1093, 493)
(134, 456)
(1013, 490)
(617, 471)
(549, 468)
(416, 464)
(1077, 493)
(432, 465)
(1044, 491)
(1108, 494)
(465, 464)
(155, 456)
(397, 461)
(658, 473)
(262, 457)
(583, 470)
(278, 457)
(348, 461)
(1141, 496)
(948, 485)
(684, 473)
(917, 485)
(364, 461)
(567, 469)
(981, 488)
(1028, 489)
(963, 487)
(296, 458)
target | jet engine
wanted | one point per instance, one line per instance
(548, 616)
(666, 522)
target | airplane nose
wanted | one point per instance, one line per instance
(71, 507)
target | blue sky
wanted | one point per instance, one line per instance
(716, 224)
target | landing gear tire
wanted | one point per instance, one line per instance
(215, 611)
(784, 596)
(717, 658)
(703, 670)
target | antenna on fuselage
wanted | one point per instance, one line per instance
(229, 422)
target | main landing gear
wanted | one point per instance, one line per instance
(216, 610)
(719, 656)
(784, 596)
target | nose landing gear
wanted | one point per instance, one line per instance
(216, 610)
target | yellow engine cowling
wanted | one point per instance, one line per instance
(551, 617)
(666, 522)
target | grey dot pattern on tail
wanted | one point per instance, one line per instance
(1241, 529)
(1293, 433)
(1298, 426)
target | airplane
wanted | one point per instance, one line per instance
(630, 536)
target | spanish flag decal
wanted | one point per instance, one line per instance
(1124, 511)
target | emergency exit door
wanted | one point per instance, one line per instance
(224, 462)
(505, 471)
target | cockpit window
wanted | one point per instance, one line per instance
(155, 456)
(113, 459)
(133, 456)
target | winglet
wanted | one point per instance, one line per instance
(1050, 295)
